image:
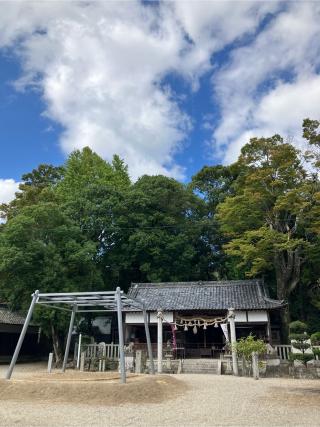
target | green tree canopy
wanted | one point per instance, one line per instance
(162, 234)
(270, 218)
(41, 248)
(32, 186)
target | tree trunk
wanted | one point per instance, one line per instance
(56, 346)
(285, 320)
(287, 266)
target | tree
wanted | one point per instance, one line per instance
(161, 233)
(41, 248)
(311, 132)
(270, 218)
(31, 188)
(213, 184)
(85, 168)
(91, 191)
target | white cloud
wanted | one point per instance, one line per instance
(8, 187)
(100, 68)
(272, 84)
(100, 65)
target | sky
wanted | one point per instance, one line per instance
(169, 86)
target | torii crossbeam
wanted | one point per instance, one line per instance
(86, 302)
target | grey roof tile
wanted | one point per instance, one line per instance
(11, 317)
(239, 294)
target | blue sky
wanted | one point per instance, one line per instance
(168, 86)
(27, 138)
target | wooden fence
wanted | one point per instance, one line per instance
(112, 352)
(283, 351)
(103, 350)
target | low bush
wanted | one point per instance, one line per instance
(315, 338)
(302, 357)
(298, 327)
(246, 346)
(300, 340)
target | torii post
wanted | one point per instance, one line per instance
(231, 317)
(22, 335)
(66, 353)
(160, 341)
(121, 340)
(149, 346)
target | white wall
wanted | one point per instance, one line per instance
(253, 316)
(137, 318)
(257, 316)
(240, 316)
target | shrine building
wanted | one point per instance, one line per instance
(195, 314)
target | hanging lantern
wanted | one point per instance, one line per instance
(195, 330)
(205, 325)
(216, 325)
(185, 327)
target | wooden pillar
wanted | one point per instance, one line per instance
(160, 341)
(233, 337)
(255, 365)
(121, 340)
(269, 335)
(82, 360)
(149, 346)
(50, 360)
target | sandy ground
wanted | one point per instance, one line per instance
(31, 399)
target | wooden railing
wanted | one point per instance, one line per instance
(108, 351)
(283, 351)
(111, 351)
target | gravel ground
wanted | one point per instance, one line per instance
(208, 400)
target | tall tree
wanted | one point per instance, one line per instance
(311, 132)
(266, 219)
(32, 185)
(162, 234)
(41, 248)
(90, 192)
(213, 184)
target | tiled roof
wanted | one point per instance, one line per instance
(10, 317)
(238, 294)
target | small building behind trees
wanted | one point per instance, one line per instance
(11, 323)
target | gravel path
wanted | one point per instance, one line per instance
(209, 400)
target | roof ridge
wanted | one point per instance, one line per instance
(275, 301)
(136, 285)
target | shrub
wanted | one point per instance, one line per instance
(246, 346)
(315, 341)
(298, 327)
(315, 338)
(299, 340)
(302, 357)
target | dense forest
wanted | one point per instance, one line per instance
(86, 226)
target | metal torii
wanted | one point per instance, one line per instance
(86, 302)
